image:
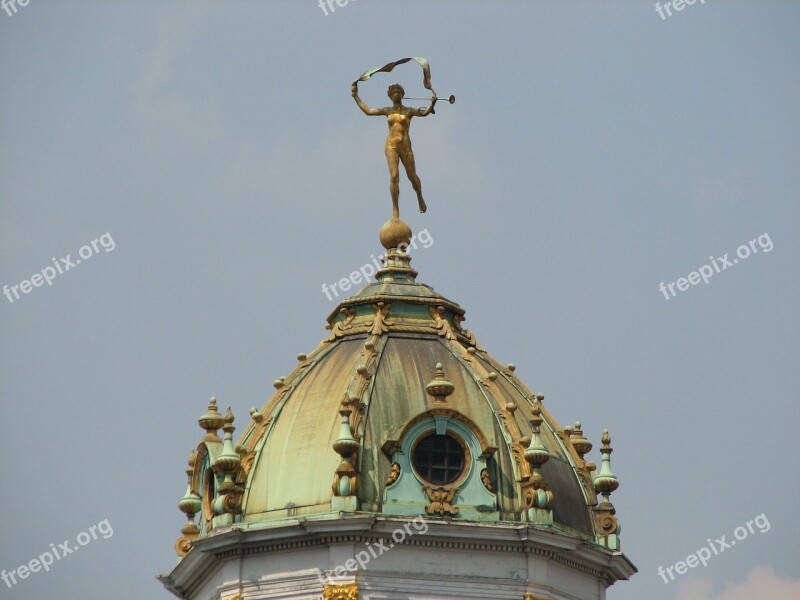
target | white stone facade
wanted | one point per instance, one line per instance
(396, 559)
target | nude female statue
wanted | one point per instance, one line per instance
(398, 143)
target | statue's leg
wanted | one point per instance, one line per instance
(411, 170)
(393, 160)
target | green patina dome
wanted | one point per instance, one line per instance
(344, 431)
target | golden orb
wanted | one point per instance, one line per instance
(395, 233)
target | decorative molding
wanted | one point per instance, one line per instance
(397, 298)
(419, 541)
(340, 592)
(393, 444)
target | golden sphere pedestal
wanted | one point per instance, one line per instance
(395, 233)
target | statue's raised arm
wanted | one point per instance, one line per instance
(366, 109)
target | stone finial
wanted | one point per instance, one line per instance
(605, 481)
(229, 461)
(439, 388)
(211, 421)
(345, 480)
(606, 523)
(537, 455)
(190, 505)
(579, 442)
(345, 445)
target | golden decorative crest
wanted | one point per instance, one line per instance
(381, 323)
(247, 461)
(442, 325)
(441, 500)
(518, 450)
(338, 328)
(458, 319)
(340, 592)
(182, 546)
(607, 523)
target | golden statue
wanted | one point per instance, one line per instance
(398, 142)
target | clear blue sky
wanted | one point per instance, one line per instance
(595, 150)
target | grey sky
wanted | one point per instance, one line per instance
(595, 150)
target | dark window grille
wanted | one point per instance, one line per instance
(439, 459)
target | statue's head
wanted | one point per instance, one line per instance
(396, 89)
